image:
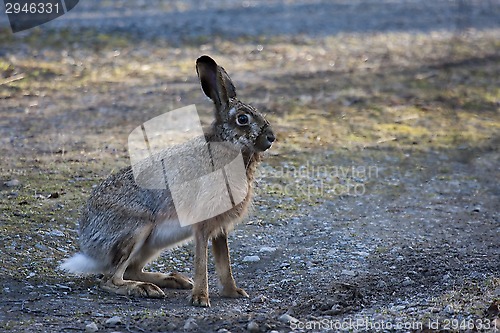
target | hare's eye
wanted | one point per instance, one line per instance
(242, 120)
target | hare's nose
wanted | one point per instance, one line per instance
(270, 137)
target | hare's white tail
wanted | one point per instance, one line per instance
(81, 264)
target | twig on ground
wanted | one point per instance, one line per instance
(12, 79)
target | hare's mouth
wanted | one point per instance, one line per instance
(265, 141)
(266, 147)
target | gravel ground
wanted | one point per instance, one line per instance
(384, 237)
(425, 256)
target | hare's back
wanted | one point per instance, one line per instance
(118, 207)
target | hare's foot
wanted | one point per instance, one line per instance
(200, 299)
(132, 288)
(233, 292)
(179, 281)
(173, 280)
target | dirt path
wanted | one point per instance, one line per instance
(376, 210)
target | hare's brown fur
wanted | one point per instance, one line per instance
(124, 226)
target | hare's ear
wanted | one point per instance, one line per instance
(228, 83)
(215, 82)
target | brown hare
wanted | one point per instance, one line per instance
(125, 226)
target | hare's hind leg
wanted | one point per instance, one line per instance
(135, 272)
(115, 282)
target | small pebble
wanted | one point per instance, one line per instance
(223, 330)
(56, 233)
(398, 308)
(253, 327)
(190, 324)
(286, 318)
(41, 247)
(251, 259)
(407, 282)
(12, 183)
(113, 321)
(267, 249)
(449, 309)
(336, 308)
(259, 299)
(92, 327)
(348, 272)
(62, 286)
(171, 326)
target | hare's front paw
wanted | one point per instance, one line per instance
(233, 293)
(200, 299)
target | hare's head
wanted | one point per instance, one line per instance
(235, 121)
